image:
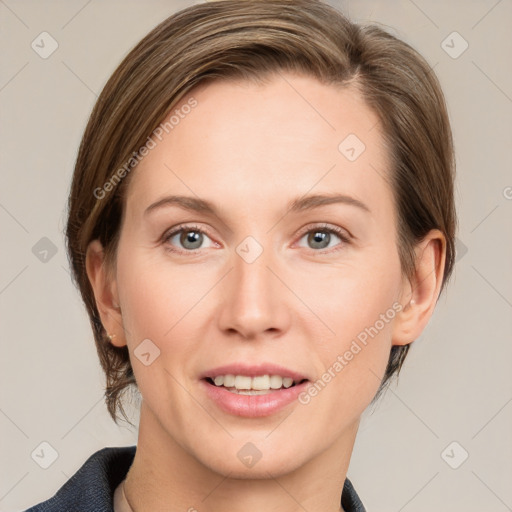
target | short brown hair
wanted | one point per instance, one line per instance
(229, 39)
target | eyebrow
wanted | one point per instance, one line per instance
(313, 201)
(188, 203)
(303, 203)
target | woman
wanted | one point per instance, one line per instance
(261, 221)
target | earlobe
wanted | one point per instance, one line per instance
(421, 292)
(104, 287)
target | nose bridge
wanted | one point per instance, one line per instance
(253, 278)
(253, 302)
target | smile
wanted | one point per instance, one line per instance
(253, 391)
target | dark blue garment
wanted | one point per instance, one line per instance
(91, 488)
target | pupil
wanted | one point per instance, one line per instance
(191, 239)
(319, 240)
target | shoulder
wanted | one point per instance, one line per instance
(92, 487)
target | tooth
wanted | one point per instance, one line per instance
(287, 382)
(229, 381)
(258, 383)
(261, 382)
(276, 382)
(242, 382)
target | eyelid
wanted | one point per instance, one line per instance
(325, 225)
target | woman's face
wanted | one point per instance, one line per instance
(259, 239)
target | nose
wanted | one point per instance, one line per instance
(254, 303)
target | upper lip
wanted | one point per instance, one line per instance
(253, 370)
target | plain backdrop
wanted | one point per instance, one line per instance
(454, 396)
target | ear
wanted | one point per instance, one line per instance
(104, 286)
(420, 292)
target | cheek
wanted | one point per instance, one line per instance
(157, 294)
(358, 304)
(351, 298)
(160, 304)
(351, 366)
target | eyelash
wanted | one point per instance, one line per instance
(340, 233)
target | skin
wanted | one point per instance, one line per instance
(250, 150)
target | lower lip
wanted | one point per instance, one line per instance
(253, 406)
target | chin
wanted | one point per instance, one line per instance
(254, 460)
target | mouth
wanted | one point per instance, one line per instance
(256, 385)
(253, 391)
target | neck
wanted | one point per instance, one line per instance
(164, 476)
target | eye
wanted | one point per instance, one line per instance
(323, 238)
(187, 238)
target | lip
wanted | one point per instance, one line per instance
(253, 406)
(253, 370)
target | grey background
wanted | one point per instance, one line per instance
(456, 384)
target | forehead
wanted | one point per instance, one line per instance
(256, 139)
